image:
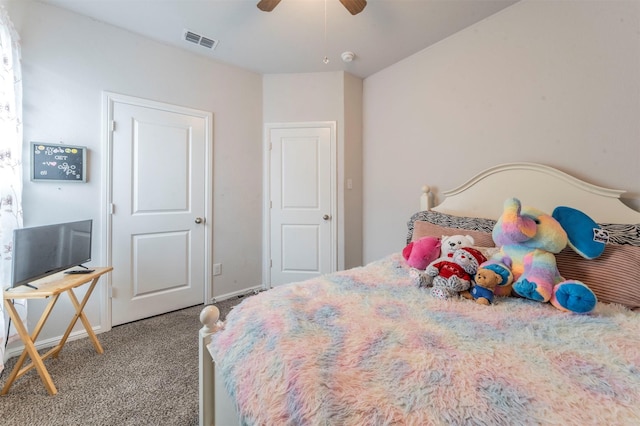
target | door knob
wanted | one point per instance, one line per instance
(199, 220)
(326, 217)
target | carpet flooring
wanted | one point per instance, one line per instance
(148, 375)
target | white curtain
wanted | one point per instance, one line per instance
(10, 164)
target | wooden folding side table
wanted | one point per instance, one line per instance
(49, 287)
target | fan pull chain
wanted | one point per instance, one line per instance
(326, 58)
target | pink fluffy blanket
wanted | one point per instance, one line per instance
(367, 347)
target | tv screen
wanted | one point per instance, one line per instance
(44, 250)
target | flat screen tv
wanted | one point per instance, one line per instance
(44, 250)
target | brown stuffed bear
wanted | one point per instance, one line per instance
(486, 280)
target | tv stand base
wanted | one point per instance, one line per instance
(52, 287)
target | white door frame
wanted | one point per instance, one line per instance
(266, 179)
(108, 101)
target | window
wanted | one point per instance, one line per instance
(10, 162)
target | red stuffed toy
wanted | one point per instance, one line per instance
(450, 276)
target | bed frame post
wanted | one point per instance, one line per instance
(209, 317)
(426, 199)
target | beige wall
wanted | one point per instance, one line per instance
(353, 159)
(555, 82)
(68, 60)
(302, 97)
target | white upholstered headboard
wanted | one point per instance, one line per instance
(535, 185)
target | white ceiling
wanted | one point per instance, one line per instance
(291, 38)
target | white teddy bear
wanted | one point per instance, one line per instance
(449, 244)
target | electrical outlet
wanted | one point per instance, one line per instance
(217, 269)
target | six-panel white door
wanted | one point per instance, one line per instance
(159, 203)
(301, 189)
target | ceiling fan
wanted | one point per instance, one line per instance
(353, 6)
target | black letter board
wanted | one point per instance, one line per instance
(56, 162)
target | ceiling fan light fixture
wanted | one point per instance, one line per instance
(353, 6)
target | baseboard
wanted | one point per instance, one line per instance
(16, 350)
(243, 292)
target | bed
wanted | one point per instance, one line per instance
(368, 346)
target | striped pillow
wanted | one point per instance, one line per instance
(447, 221)
(622, 234)
(614, 276)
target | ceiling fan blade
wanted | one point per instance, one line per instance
(354, 6)
(267, 5)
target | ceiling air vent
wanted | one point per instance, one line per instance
(203, 41)
(208, 43)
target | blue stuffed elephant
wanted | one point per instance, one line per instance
(528, 240)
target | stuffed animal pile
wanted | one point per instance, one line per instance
(420, 253)
(524, 265)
